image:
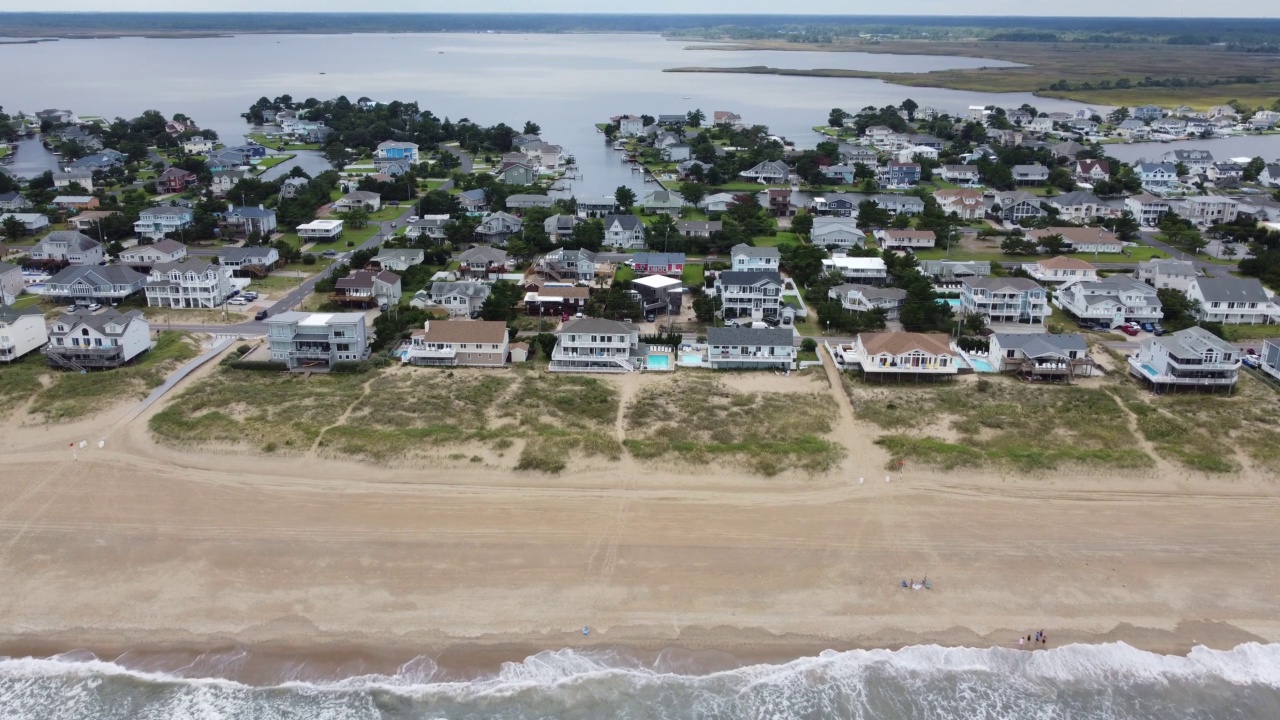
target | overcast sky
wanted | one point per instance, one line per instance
(1167, 8)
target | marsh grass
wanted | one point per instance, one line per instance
(72, 395)
(704, 421)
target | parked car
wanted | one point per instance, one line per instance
(384, 307)
(1148, 327)
(393, 223)
(1251, 361)
(1129, 330)
(237, 301)
(73, 308)
(95, 307)
(413, 218)
(261, 315)
(329, 254)
(250, 295)
(650, 317)
(1158, 329)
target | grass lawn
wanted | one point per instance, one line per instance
(692, 213)
(26, 301)
(624, 274)
(353, 236)
(275, 283)
(320, 264)
(782, 238)
(693, 275)
(1239, 333)
(388, 212)
(269, 162)
(743, 186)
(807, 356)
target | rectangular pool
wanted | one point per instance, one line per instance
(691, 359)
(981, 366)
(658, 362)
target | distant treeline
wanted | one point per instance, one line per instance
(1241, 34)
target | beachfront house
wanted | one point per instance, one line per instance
(1004, 299)
(1191, 359)
(317, 341)
(87, 284)
(462, 343)
(884, 355)
(21, 331)
(1041, 356)
(101, 341)
(734, 348)
(593, 345)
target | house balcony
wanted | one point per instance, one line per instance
(924, 367)
(1193, 365)
(424, 354)
(760, 357)
(105, 357)
(1204, 377)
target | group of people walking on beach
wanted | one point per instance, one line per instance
(1040, 637)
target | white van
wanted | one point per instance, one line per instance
(759, 326)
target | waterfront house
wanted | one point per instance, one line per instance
(593, 206)
(1190, 359)
(1060, 269)
(457, 298)
(1148, 112)
(859, 270)
(883, 355)
(21, 331)
(517, 173)
(748, 258)
(98, 162)
(244, 221)
(769, 172)
(461, 343)
(724, 117)
(897, 203)
(1112, 300)
(1172, 274)
(734, 348)
(623, 231)
(291, 187)
(317, 341)
(68, 246)
(1042, 356)
(497, 228)
(102, 341)
(64, 180)
(721, 202)
(191, 284)
(663, 201)
(1092, 171)
(749, 294)
(222, 161)
(865, 298)
(630, 125)
(157, 222)
(1270, 176)
(1146, 208)
(1081, 239)
(1156, 177)
(893, 239)
(652, 263)
(1133, 129)
(140, 257)
(899, 174)
(837, 232)
(1231, 300)
(594, 345)
(524, 201)
(1004, 299)
(699, 228)
(1198, 162)
(566, 265)
(197, 145)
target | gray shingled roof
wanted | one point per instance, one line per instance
(1232, 289)
(1192, 342)
(597, 325)
(97, 275)
(469, 289)
(755, 252)
(99, 321)
(747, 277)
(749, 336)
(870, 292)
(75, 240)
(1041, 344)
(10, 314)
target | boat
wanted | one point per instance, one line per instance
(321, 73)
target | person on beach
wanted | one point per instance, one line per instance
(1021, 641)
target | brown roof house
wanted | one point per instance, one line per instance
(899, 354)
(470, 343)
(368, 287)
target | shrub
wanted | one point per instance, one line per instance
(308, 259)
(809, 345)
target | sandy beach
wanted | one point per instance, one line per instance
(146, 548)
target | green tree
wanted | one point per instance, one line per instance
(705, 308)
(837, 117)
(13, 227)
(802, 261)
(501, 303)
(909, 106)
(1179, 310)
(1254, 169)
(660, 234)
(625, 197)
(532, 128)
(1053, 244)
(692, 192)
(802, 224)
(356, 218)
(695, 118)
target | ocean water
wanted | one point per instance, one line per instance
(1074, 682)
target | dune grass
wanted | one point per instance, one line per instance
(701, 420)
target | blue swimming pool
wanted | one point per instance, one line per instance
(691, 359)
(659, 362)
(980, 365)
(953, 302)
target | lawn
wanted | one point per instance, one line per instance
(280, 145)
(320, 264)
(275, 283)
(744, 186)
(1240, 333)
(26, 301)
(624, 274)
(389, 212)
(782, 238)
(271, 161)
(693, 275)
(357, 237)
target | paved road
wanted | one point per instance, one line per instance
(1149, 237)
(461, 155)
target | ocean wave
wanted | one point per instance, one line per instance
(1079, 681)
